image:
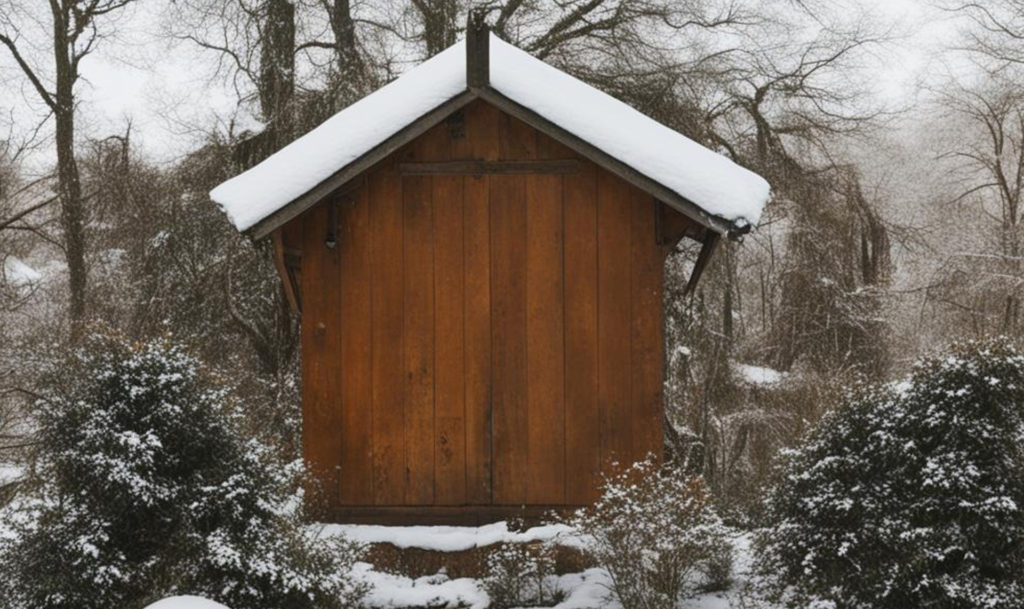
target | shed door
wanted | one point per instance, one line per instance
(484, 343)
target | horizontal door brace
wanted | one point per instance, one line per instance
(491, 167)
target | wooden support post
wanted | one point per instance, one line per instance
(478, 54)
(710, 242)
(672, 226)
(287, 280)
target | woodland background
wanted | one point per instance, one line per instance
(894, 226)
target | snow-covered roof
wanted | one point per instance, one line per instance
(709, 180)
(719, 186)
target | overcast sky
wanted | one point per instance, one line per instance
(166, 92)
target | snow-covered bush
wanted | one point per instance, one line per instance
(150, 489)
(521, 575)
(656, 534)
(909, 496)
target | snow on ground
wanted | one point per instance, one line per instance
(447, 538)
(395, 591)
(758, 375)
(18, 273)
(586, 590)
(186, 602)
(9, 473)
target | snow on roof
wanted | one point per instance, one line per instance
(298, 167)
(719, 186)
(710, 180)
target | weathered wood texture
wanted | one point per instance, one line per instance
(479, 340)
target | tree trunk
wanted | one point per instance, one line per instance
(68, 183)
(344, 28)
(277, 72)
(439, 23)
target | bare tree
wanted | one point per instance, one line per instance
(277, 68)
(75, 34)
(348, 56)
(983, 277)
(439, 21)
(996, 31)
(255, 46)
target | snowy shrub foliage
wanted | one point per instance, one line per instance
(656, 534)
(909, 496)
(150, 489)
(521, 575)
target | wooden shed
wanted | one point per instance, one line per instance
(477, 254)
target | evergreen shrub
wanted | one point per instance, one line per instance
(149, 488)
(908, 495)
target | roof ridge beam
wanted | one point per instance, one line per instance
(478, 51)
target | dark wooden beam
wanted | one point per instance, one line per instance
(470, 515)
(548, 166)
(710, 243)
(672, 226)
(356, 168)
(478, 50)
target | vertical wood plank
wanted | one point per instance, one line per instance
(518, 141)
(582, 416)
(356, 321)
(477, 250)
(481, 136)
(614, 327)
(482, 141)
(321, 357)
(291, 233)
(648, 342)
(388, 351)
(545, 347)
(508, 310)
(550, 148)
(450, 443)
(419, 339)
(508, 338)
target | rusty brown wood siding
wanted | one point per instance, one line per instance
(480, 340)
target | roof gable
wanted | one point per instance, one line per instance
(700, 183)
